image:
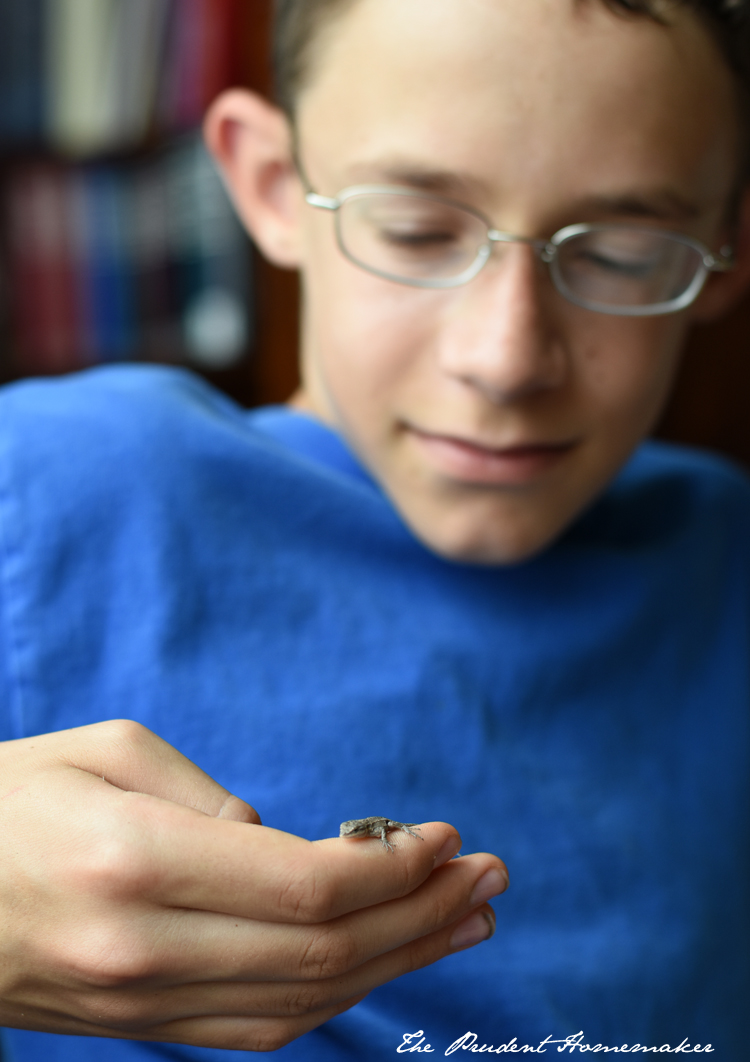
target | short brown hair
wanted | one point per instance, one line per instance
(299, 23)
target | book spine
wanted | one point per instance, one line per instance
(106, 263)
(43, 297)
(80, 78)
(155, 288)
(139, 33)
(180, 102)
(21, 72)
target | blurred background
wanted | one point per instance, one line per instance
(117, 240)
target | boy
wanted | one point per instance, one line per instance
(415, 593)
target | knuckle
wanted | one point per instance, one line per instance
(274, 1036)
(115, 865)
(126, 734)
(304, 898)
(445, 897)
(330, 952)
(421, 953)
(113, 958)
(304, 999)
(118, 1011)
(444, 909)
(408, 878)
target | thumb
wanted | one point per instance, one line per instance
(131, 757)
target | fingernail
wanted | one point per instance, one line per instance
(490, 884)
(451, 847)
(477, 927)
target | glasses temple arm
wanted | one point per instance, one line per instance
(311, 197)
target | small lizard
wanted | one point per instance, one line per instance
(376, 826)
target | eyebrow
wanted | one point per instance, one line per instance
(660, 204)
(425, 179)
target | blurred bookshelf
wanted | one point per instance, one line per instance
(117, 239)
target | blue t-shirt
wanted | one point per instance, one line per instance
(237, 583)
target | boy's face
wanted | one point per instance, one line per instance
(493, 413)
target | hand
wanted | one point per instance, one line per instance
(140, 900)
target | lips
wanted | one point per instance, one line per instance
(474, 462)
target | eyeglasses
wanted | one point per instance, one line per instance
(428, 241)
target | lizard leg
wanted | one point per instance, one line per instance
(384, 839)
(405, 826)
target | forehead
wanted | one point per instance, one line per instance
(558, 97)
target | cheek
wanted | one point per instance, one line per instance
(367, 336)
(627, 368)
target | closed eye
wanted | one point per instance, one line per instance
(416, 239)
(637, 269)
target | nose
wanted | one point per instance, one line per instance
(499, 336)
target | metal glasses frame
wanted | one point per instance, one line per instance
(548, 251)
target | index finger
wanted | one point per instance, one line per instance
(133, 758)
(308, 882)
(177, 857)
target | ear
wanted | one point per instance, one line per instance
(723, 290)
(251, 141)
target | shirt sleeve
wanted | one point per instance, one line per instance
(6, 686)
(9, 687)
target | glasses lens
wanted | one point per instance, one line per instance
(627, 268)
(411, 238)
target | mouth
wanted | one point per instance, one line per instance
(472, 461)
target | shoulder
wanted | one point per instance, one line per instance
(701, 468)
(137, 400)
(117, 426)
(152, 445)
(669, 495)
(686, 475)
(108, 455)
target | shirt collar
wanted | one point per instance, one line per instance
(310, 438)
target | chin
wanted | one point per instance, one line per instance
(493, 543)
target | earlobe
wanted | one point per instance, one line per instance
(251, 142)
(723, 290)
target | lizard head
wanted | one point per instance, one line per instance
(356, 828)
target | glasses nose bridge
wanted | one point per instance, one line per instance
(544, 251)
